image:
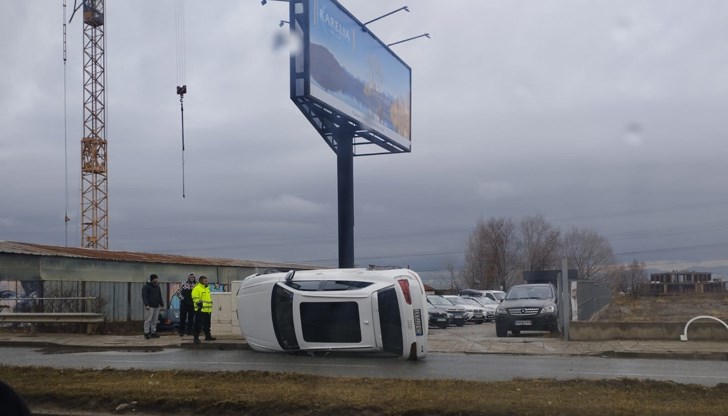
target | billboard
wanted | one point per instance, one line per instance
(350, 71)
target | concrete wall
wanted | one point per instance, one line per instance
(702, 330)
(224, 320)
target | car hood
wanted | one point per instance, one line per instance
(520, 303)
(453, 308)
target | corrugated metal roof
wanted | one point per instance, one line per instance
(12, 247)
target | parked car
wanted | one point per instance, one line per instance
(529, 307)
(438, 318)
(459, 313)
(496, 295)
(169, 318)
(377, 310)
(488, 304)
(476, 310)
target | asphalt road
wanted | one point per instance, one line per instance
(479, 367)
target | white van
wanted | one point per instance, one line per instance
(335, 309)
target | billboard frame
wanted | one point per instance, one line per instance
(325, 117)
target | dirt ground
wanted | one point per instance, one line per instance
(250, 393)
(673, 308)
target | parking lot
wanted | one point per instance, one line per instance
(484, 331)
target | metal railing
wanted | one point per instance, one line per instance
(37, 304)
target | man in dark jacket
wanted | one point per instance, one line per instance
(152, 298)
(186, 308)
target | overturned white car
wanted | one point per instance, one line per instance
(334, 310)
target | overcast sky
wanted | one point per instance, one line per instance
(607, 114)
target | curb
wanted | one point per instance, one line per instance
(216, 345)
(701, 356)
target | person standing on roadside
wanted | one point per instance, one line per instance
(202, 299)
(186, 307)
(152, 298)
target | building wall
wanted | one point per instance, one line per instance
(117, 285)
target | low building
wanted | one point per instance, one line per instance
(32, 273)
(676, 282)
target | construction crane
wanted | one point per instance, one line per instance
(94, 168)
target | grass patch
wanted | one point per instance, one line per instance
(265, 393)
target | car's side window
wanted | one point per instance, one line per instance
(305, 285)
(326, 285)
(343, 285)
(282, 308)
(330, 322)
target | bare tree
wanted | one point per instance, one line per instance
(491, 254)
(589, 252)
(539, 243)
(450, 267)
(631, 277)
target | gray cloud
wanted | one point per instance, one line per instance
(602, 114)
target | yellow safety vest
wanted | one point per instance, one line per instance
(202, 293)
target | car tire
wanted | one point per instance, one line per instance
(442, 326)
(500, 331)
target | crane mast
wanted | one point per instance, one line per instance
(94, 168)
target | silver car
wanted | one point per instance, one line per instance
(475, 309)
(488, 304)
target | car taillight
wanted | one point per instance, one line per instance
(404, 284)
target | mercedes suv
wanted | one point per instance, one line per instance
(529, 307)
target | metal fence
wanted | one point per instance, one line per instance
(591, 298)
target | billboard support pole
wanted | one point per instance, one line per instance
(344, 137)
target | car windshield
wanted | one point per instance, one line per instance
(457, 301)
(466, 301)
(523, 292)
(437, 300)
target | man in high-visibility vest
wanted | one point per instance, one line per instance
(202, 301)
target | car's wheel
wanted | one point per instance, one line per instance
(442, 325)
(500, 331)
(516, 331)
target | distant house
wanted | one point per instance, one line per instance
(429, 290)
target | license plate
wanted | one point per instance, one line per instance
(418, 322)
(440, 320)
(523, 323)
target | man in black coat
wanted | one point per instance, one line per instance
(152, 298)
(186, 308)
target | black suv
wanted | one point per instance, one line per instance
(527, 308)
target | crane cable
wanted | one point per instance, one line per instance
(66, 219)
(181, 86)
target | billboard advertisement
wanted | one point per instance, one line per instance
(353, 72)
